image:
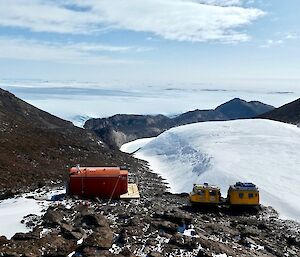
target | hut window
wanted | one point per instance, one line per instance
(241, 195)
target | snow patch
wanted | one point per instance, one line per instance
(13, 210)
(135, 145)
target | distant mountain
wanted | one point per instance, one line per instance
(36, 147)
(240, 109)
(121, 128)
(288, 113)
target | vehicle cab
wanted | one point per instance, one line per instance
(205, 194)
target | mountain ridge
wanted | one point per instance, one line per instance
(122, 128)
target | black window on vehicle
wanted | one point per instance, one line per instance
(212, 193)
(250, 195)
(201, 192)
(241, 195)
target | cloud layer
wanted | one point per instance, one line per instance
(180, 20)
(80, 53)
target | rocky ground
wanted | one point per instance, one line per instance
(159, 224)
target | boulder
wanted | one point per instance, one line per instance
(25, 236)
(175, 216)
(204, 253)
(101, 238)
(58, 246)
(10, 254)
(126, 253)
(177, 240)
(95, 252)
(53, 218)
(154, 254)
(3, 240)
(215, 247)
(166, 226)
(246, 241)
(92, 220)
(185, 242)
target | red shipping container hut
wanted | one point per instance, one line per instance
(102, 182)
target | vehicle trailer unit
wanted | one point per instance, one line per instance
(243, 194)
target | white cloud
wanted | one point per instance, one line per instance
(44, 16)
(22, 49)
(292, 36)
(284, 38)
(182, 20)
(270, 43)
(218, 2)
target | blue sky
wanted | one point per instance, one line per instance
(235, 43)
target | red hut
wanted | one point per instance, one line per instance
(103, 182)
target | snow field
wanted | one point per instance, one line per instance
(264, 152)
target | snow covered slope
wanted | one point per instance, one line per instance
(261, 151)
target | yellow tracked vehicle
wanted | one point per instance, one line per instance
(205, 194)
(240, 194)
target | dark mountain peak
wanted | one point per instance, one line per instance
(236, 100)
(240, 109)
(289, 113)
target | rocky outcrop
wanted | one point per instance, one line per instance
(124, 128)
(288, 113)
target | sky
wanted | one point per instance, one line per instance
(242, 44)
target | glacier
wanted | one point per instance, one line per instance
(264, 152)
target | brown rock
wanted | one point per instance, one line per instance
(154, 254)
(102, 238)
(166, 226)
(126, 253)
(10, 254)
(94, 220)
(25, 236)
(53, 218)
(95, 252)
(3, 240)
